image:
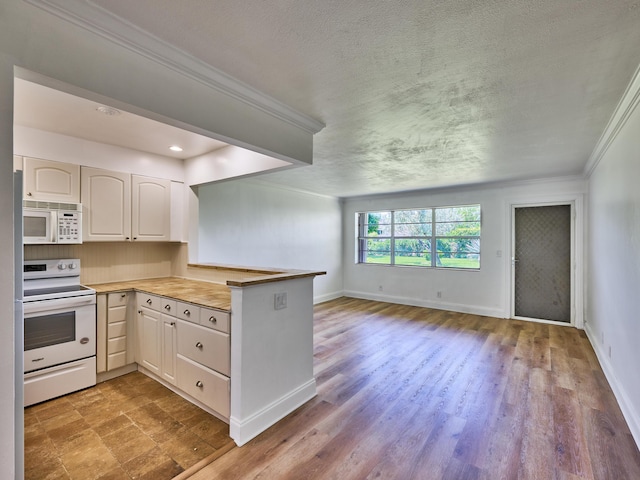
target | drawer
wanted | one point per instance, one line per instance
(117, 330)
(117, 314)
(215, 319)
(168, 306)
(188, 311)
(205, 385)
(117, 299)
(116, 360)
(115, 345)
(203, 345)
(150, 301)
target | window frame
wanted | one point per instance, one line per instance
(362, 237)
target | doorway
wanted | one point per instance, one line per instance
(542, 286)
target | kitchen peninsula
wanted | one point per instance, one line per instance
(236, 341)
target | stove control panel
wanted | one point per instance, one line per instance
(67, 267)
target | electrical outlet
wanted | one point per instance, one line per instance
(609, 351)
(280, 301)
(439, 294)
(380, 288)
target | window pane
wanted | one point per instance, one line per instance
(378, 223)
(458, 214)
(412, 223)
(458, 253)
(462, 229)
(378, 251)
(413, 251)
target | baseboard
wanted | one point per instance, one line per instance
(327, 296)
(111, 374)
(244, 430)
(415, 302)
(631, 415)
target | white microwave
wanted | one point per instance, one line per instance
(51, 222)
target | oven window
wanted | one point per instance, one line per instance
(35, 226)
(47, 330)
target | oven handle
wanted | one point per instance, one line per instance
(58, 303)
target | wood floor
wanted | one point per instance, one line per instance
(413, 393)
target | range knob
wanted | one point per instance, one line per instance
(62, 266)
(72, 266)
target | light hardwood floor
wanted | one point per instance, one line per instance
(414, 393)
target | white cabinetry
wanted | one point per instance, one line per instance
(121, 207)
(149, 333)
(51, 181)
(115, 331)
(106, 205)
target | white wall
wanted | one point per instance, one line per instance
(613, 318)
(485, 291)
(35, 40)
(244, 222)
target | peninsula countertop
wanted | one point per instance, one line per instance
(203, 292)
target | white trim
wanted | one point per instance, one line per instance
(90, 16)
(414, 302)
(327, 297)
(628, 103)
(241, 431)
(630, 413)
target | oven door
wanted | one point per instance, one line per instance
(56, 332)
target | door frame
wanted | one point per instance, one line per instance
(577, 254)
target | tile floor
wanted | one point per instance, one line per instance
(130, 427)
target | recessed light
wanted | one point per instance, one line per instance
(175, 148)
(108, 110)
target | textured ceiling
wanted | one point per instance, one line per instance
(419, 94)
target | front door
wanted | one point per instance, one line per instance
(541, 259)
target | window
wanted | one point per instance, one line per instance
(446, 237)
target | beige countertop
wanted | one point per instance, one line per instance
(207, 294)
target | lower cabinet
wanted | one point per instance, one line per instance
(115, 335)
(187, 346)
(149, 336)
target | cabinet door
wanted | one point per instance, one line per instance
(51, 181)
(169, 349)
(149, 336)
(106, 205)
(151, 209)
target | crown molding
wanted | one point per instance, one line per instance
(99, 21)
(628, 103)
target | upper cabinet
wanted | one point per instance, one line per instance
(151, 208)
(51, 181)
(122, 207)
(106, 205)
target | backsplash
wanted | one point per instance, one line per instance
(104, 262)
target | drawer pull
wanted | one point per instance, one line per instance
(123, 295)
(213, 319)
(199, 345)
(187, 313)
(199, 384)
(173, 324)
(167, 307)
(149, 301)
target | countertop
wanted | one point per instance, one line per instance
(207, 294)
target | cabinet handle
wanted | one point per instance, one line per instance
(123, 295)
(167, 307)
(213, 319)
(126, 238)
(140, 312)
(187, 313)
(149, 301)
(173, 324)
(199, 345)
(29, 194)
(199, 384)
(135, 238)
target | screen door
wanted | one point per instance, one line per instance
(542, 263)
